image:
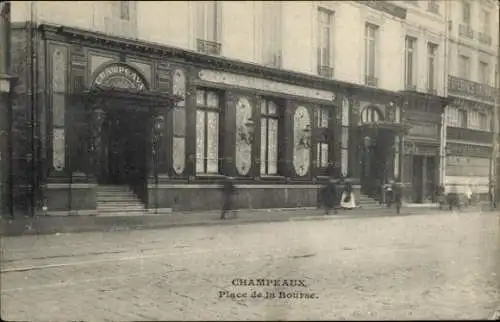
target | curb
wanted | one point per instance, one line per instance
(79, 224)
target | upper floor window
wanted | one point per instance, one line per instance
(431, 66)
(485, 21)
(325, 42)
(208, 22)
(371, 38)
(456, 117)
(464, 67)
(269, 127)
(207, 131)
(466, 12)
(484, 73)
(483, 122)
(125, 10)
(433, 6)
(272, 33)
(410, 62)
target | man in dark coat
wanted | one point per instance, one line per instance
(398, 195)
(330, 196)
(228, 190)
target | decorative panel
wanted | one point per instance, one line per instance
(302, 141)
(243, 160)
(163, 77)
(424, 130)
(178, 154)
(58, 149)
(58, 100)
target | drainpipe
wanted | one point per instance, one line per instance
(495, 149)
(446, 68)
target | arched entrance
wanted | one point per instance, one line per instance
(123, 111)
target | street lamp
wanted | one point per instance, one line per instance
(158, 125)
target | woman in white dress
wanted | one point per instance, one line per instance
(347, 199)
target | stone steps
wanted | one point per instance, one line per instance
(118, 200)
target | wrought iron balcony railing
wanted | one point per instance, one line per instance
(465, 31)
(484, 38)
(411, 87)
(432, 91)
(325, 71)
(371, 80)
(469, 88)
(208, 47)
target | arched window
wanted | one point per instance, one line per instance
(371, 114)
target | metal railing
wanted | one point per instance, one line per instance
(466, 31)
(208, 47)
(371, 80)
(325, 71)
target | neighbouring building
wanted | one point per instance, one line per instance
(472, 70)
(167, 107)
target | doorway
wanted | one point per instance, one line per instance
(125, 148)
(424, 178)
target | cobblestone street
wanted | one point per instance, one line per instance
(432, 266)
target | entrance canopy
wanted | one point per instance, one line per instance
(130, 98)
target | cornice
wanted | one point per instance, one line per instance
(157, 51)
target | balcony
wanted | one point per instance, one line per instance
(325, 71)
(466, 31)
(432, 91)
(371, 81)
(410, 87)
(208, 47)
(433, 7)
(484, 38)
(456, 133)
(471, 89)
(273, 61)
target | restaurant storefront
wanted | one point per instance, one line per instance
(469, 138)
(169, 125)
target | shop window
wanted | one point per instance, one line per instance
(322, 120)
(269, 127)
(207, 131)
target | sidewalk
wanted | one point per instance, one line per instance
(81, 223)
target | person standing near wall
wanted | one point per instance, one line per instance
(228, 191)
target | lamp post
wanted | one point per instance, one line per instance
(157, 134)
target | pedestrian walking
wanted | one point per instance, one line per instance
(347, 200)
(330, 196)
(441, 197)
(398, 195)
(228, 191)
(468, 195)
(389, 193)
